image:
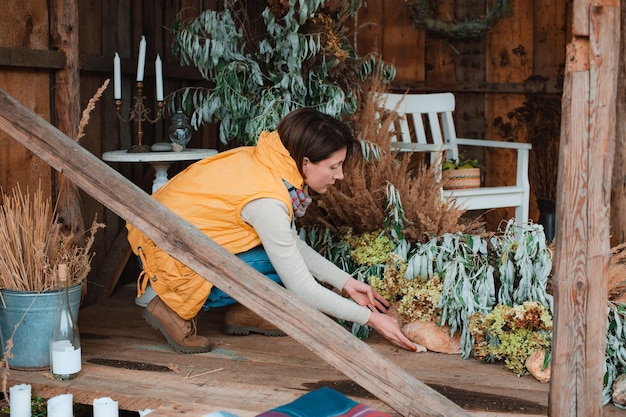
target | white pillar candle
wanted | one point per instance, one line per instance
(117, 77)
(141, 61)
(61, 406)
(105, 407)
(19, 400)
(158, 72)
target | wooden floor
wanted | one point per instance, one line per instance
(125, 359)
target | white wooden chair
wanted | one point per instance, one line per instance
(419, 112)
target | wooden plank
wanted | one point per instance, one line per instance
(440, 63)
(502, 65)
(403, 45)
(469, 85)
(582, 238)
(618, 200)
(470, 71)
(580, 17)
(101, 120)
(247, 375)
(103, 283)
(549, 43)
(571, 233)
(604, 36)
(186, 243)
(548, 55)
(369, 28)
(31, 58)
(64, 34)
(25, 28)
(132, 364)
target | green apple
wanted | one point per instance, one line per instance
(448, 165)
(466, 166)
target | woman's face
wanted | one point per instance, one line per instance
(321, 175)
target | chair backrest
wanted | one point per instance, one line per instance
(423, 119)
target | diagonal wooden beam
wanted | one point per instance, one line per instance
(323, 336)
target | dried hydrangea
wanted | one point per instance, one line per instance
(420, 300)
(371, 248)
(417, 298)
(511, 334)
(392, 284)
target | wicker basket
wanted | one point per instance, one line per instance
(457, 179)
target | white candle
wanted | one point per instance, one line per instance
(61, 406)
(19, 400)
(105, 407)
(141, 61)
(117, 77)
(158, 72)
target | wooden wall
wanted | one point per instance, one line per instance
(27, 31)
(484, 74)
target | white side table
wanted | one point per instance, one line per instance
(160, 161)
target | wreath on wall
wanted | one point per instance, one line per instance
(423, 12)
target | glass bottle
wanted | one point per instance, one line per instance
(180, 129)
(65, 354)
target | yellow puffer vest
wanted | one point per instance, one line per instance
(211, 194)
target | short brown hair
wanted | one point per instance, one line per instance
(306, 132)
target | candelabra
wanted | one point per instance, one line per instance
(139, 113)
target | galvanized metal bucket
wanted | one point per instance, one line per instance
(27, 319)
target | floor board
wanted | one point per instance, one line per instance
(127, 360)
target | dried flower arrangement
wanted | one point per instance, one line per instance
(512, 334)
(33, 243)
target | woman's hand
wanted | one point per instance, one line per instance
(385, 325)
(389, 328)
(366, 296)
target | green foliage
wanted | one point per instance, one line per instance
(39, 407)
(509, 268)
(615, 356)
(298, 58)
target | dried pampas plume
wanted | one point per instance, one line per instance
(84, 120)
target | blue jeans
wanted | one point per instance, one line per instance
(257, 259)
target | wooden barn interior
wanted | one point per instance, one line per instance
(55, 55)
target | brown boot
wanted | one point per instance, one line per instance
(180, 333)
(241, 320)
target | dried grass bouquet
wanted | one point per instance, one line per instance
(33, 243)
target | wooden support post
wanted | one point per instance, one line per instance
(583, 211)
(323, 336)
(64, 33)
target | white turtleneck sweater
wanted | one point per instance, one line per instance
(298, 265)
